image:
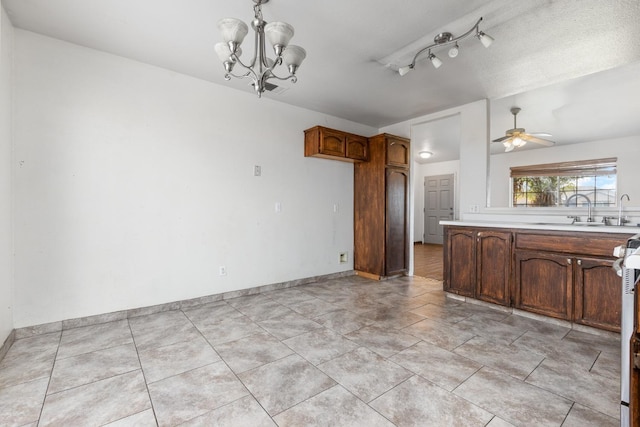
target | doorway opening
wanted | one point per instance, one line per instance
(438, 206)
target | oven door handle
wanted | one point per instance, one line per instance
(617, 266)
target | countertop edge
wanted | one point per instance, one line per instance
(546, 226)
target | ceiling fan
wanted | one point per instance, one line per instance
(517, 137)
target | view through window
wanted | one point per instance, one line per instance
(553, 184)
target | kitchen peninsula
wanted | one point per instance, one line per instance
(558, 270)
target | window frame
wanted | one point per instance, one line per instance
(582, 168)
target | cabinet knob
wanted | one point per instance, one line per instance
(568, 260)
(579, 262)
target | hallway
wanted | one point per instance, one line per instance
(427, 260)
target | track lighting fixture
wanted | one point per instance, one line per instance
(445, 39)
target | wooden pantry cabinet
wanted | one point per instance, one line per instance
(381, 201)
(334, 144)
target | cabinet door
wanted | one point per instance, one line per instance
(396, 227)
(398, 152)
(357, 148)
(544, 283)
(332, 143)
(598, 294)
(460, 262)
(493, 260)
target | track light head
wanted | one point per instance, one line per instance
(404, 70)
(453, 52)
(435, 61)
(485, 39)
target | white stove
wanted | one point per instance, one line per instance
(628, 267)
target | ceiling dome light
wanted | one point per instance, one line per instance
(425, 154)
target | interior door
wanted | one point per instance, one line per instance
(438, 206)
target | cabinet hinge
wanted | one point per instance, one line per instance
(636, 360)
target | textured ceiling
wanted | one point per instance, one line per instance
(564, 62)
(353, 46)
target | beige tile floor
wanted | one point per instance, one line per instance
(345, 352)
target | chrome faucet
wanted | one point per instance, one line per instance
(621, 220)
(575, 196)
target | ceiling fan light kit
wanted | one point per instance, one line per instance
(446, 39)
(260, 68)
(517, 137)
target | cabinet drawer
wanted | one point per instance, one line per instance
(593, 244)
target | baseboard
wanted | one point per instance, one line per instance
(46, 328)
(540, 317)
(7, 344)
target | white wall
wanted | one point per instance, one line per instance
(6, 238)
(134, 184)
(474, 136)
(420, 171)
(627, 150)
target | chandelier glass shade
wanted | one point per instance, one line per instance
(260, 68)
(446, 39)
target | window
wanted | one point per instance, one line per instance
(553, 184)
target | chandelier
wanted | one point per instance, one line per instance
(260, 68)
(447, 39)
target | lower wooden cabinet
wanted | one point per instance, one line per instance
(543, 283)
(460, 261)
(564, 275)
(478, 264)
(598, 294)
(493, 266)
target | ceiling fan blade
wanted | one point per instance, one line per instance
(537, 140)
(502, 139)
(540, 134)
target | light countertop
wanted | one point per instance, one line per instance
(595, 228)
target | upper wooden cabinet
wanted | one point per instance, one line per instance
(398, 150)
(334, 144)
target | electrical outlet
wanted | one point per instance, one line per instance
(278, 207)
(257, 170)
(344, 257)
(336, 207)
(474, 209)
(223, 270)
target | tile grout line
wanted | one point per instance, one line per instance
(146, 385)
